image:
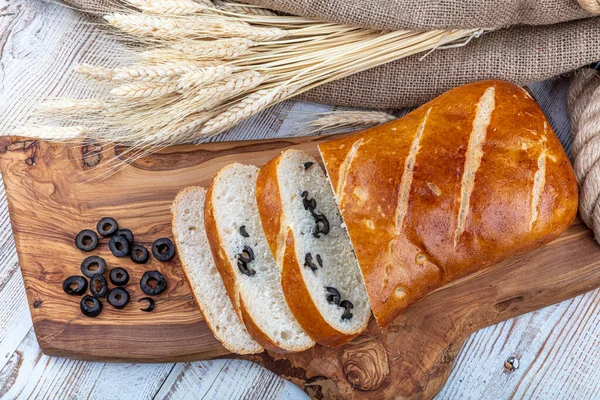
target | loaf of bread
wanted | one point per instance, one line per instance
(463, 182)
(321, 279)
(240, 250)
(202, 275)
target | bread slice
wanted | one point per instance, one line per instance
(201, 273)
(322, 281)
(242, 255)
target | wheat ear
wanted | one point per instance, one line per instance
(52, 133)
(211, 96)
(338, 119)
(245, 108)
(70, 107)
(205, 76)
(95, 73)
(144, 89)
(156, 73)
(222, 49)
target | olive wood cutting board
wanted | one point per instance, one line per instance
(55, 190)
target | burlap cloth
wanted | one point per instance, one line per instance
(541, 39)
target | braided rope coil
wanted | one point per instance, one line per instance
(583, 102)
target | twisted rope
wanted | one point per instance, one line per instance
(583, 102)
(592, 6)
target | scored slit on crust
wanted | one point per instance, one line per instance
(483, 117)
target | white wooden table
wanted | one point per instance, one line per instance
(556, 347)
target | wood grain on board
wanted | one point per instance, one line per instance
(55, 190)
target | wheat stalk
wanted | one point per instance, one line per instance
(339, 119)
(70, 107)
(202, 68)
(245, 108)
(205, 76)
(156, 73)
(95, 73)
(208, 97)
(223, 48)
(143, 89)
(52, 133)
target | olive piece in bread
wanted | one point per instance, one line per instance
(86, 240)
(107, 226)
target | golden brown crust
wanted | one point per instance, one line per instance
(504, 217)
(300, 302)
(294, 289)
(270, 208)
(228, 275)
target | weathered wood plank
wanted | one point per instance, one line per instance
(30, 374)
(226, 379)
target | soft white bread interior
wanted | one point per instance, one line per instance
(311, 228)
(243, 257)
(202, 275)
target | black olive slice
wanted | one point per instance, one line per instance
(307, 165)
(86, 240)
(243, 231)
(309, 263)
(309, 204)
(247, 255)
(150, 301)
(153, 283)
(93, 265)
(98, 286)
(90, 306)
(163, 249)
(107, 226)
(126, 233)
(118, 298)
(333, 296)
(245, 269)
(118, 276)
(139, 254)
(320, 260)
(347, 305)
(75, 285)
(321, 225)
(119, 246)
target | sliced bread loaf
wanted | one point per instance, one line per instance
(241, 252)
(202, 275)
(321, 278)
